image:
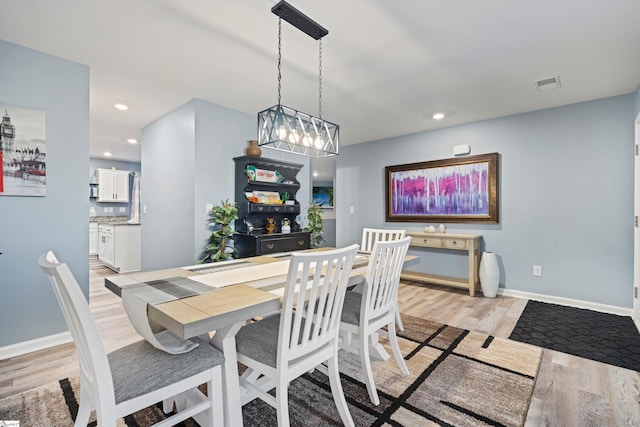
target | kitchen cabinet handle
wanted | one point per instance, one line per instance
(270, 245)
(301, 242)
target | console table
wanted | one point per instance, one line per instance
(459, 242)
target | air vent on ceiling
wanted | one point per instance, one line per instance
(549, 83)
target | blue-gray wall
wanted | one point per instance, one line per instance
(95, 163)
(565, 188)
(186, 164)
(59, 221)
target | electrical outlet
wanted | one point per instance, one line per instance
(123, 209)
(208, 207)
(537, 270)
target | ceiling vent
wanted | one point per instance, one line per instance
(548, 83)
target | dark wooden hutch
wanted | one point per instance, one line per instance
(256, 241)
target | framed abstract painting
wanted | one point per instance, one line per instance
(461, 190)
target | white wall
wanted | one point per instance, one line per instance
(58, 221)
(565, 188)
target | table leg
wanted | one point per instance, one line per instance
(472, 271)
(225, 341)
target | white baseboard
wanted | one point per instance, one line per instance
(15, 350)
(603, 308)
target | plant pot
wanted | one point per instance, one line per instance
(489, 274)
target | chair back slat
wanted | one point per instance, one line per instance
(313, 300)
(383, 276)
(372, 235)
(92, 357)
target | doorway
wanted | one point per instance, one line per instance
(636, 228)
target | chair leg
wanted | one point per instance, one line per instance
(393, 341)
(84, 410)
(103, 418)
(365, 362)
(282, 403)
(338, 394)
(399, 319)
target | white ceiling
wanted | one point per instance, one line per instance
(387, 65)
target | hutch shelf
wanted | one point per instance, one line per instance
(252, 238)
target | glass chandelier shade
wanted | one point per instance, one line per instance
(287, 129)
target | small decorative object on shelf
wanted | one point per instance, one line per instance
(263, 175)
(489, 274)
(271, 225)
(286, 226)
(441, 228)
(429, 229)
(254, 149)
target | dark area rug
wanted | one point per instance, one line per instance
(602, 337)
(457, 378)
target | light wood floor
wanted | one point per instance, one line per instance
(570, 391)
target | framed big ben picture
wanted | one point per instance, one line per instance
(23, 165)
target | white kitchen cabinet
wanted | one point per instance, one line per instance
(93, 238)
(119, 247)
(113, 185)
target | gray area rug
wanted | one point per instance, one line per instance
(457, 378)
(603, 337)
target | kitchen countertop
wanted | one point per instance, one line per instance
(112, 220)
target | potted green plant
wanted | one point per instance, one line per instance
(219, 247)
(314, 225)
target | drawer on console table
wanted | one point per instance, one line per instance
(427, 242)
(455, 243)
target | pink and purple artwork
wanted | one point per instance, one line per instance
(450, 190)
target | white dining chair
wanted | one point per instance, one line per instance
(135, 376)
(303, 335)
(364, 314)
(372, 235)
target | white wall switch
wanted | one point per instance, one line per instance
(144, 208)
(208, 207)
(537, 270)
(352, 209)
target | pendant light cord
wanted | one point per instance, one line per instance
(279, 58)
(320, 80)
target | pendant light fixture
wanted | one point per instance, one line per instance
(287, 129)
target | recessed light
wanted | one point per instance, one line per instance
(107, 154)
(121, 107)
(132, 141)
(315, 174)
(438, 116)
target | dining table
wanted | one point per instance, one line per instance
(220, 298)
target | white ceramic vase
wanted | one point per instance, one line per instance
(489, 274)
